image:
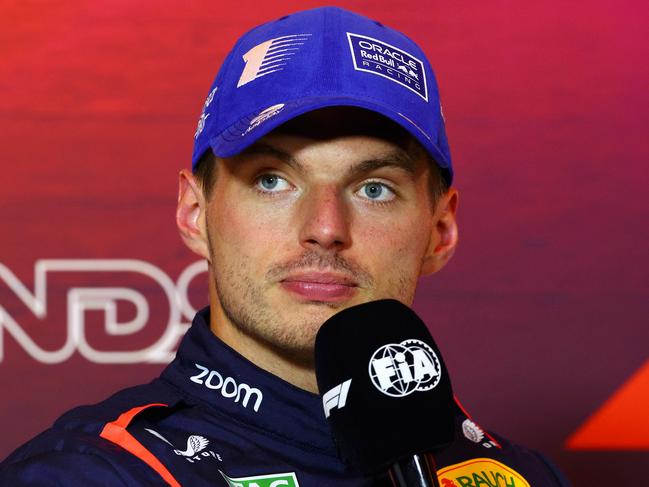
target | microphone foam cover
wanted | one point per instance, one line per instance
(386, 391)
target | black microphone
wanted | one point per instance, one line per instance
(385, 391)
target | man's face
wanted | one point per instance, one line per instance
(314, 218)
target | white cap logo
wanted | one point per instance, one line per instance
(264, 115)
(399, 369)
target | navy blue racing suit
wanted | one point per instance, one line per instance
(214, 418)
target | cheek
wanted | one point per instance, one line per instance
(399, 242)
(243, 234)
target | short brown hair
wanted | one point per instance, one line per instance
(205, 172)
(437, 183)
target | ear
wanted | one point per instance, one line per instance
(190, 214)
(444, 237)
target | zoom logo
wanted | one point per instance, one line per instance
(228, 386)
(399, 369)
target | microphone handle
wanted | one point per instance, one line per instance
(414, 471)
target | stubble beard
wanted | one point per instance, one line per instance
(246, 307)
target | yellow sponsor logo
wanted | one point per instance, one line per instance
(480, 472)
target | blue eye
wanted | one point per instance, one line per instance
(377, 191)
(373, 190)
(271, 183)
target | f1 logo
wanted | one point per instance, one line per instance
(335, 397)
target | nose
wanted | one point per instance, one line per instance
(325, 220)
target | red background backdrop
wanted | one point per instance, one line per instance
(541, 314)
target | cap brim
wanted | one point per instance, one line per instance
(249, 129)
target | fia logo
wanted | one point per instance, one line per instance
(195, 450)
(399, 369)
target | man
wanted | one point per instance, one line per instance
(321, 180)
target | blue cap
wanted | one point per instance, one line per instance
(320, 58)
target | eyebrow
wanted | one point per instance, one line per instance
(261, 148)
(398, 159)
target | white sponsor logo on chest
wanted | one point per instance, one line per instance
(240, 393)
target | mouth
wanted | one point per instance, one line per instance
(320, 286)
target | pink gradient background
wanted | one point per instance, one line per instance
(542, 313)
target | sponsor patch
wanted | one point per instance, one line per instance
(288, 479)
(480, 472)
(377, 57)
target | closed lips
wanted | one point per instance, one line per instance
(321, 279)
